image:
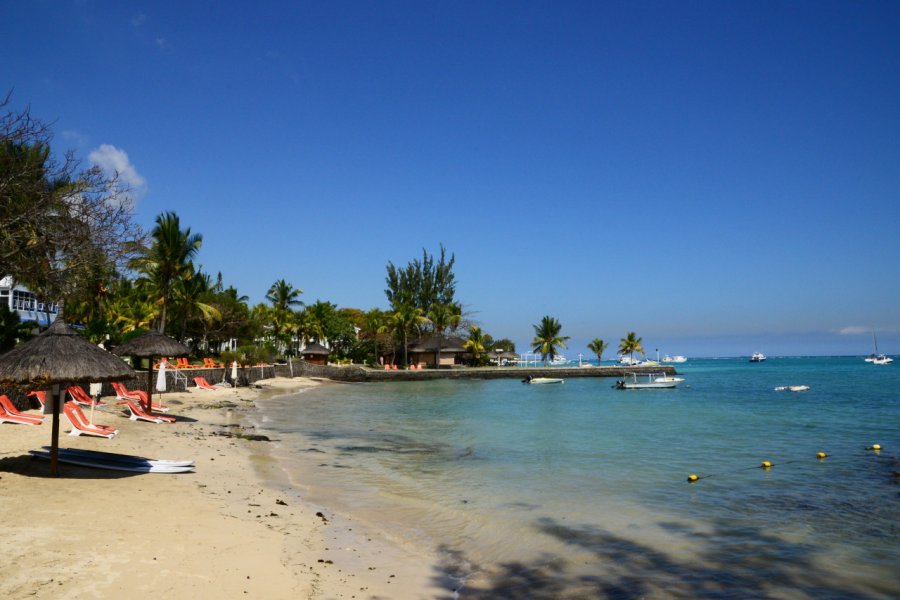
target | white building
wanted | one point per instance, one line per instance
(25, 304)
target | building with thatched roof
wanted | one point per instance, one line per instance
(424, 351)
(315, 353)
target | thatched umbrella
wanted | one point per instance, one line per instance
(59, 355)
(150, 345)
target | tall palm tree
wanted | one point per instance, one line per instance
(405, 319)
(284, 297)
(441, 317)
(476, 344)
(193, 300)
(598, 347)
(547, 338)
(169, 257)
(374, 323)
(631, 344)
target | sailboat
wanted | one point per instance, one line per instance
(875, 358)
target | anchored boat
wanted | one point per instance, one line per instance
(647, 381)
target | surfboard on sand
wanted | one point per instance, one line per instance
(114, 464)
(129, 458)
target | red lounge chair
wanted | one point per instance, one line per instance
(16, 417)
(81, 426)
(137, 413)
(11, 409)
(138, 396)
(40, 395)
(82, 397)
(203, 384)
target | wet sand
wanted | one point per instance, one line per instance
(231, 529)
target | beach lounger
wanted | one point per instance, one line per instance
(81, 426)
(11, 409)
(203, 384)
(82, 397)
(15, 416)
(139, 396)
(137, 413)
(209, 363)
(41, 396)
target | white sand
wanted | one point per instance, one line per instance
(215, 533)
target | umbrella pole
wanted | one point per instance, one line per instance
(150, 385)
(60, 397)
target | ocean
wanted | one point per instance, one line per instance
(580, 490)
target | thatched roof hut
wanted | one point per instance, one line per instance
(60, 355)
(315, 353)
(150, 345)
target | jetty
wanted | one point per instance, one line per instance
(358, 373)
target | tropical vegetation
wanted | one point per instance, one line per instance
(547, 338)
(598, 347)
(631, 344)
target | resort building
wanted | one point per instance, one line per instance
(424, 351)
(25, 304)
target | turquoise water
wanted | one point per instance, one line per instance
(579, 490)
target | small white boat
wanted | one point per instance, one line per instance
(793, 388)
(647, 381)
(558, 360)
(542, 380)
(758, 357)
(674, 359)
(882, 359)
(628, 361)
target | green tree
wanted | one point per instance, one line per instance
(476, 344)
(193, 302)
(12, 330)
(169, 257)
(57, 221)
(631, 344)
(422, 283)
(284, 297)
(443, 317)
(405, 319)
(598, 347)
(374, 324)
(547, 338)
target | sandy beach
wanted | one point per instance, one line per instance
(227, 530)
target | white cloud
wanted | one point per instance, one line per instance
(138, 19)
(112, 161)
(854, 330)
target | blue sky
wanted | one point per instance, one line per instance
(720, 178)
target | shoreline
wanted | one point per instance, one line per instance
(235, 528)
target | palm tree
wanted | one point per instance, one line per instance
(476, 344)
(405, 319)
(168, 258)
(441, 317)
(283, 297)
(193, 299)
(547, 338)
(631, 344)
(374, 324)
(598, 347)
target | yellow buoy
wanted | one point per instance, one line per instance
(765, 465)
(875, 447)
(821, 455)
(692, 478)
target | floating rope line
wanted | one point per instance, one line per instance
(767, 465)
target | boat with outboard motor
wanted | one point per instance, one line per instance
(758, 357)
(542, 380)
(647, 381)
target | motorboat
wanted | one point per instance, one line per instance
(674, 359)
(559, 360)
(629, 361)
(793, 388)
(542, 380)
(758, 357)
(647, 381)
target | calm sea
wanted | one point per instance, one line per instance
(579, 490)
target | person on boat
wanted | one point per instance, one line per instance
(528, 379)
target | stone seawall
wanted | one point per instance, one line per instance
(355, 373)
